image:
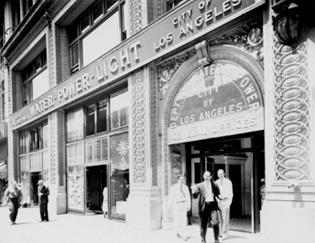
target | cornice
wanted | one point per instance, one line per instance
(26, 25)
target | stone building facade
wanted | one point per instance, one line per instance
(127, 95)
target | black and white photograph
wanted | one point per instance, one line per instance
(136, 121)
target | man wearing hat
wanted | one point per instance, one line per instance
(43, 193)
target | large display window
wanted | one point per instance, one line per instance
(119, 178)
(75, 179)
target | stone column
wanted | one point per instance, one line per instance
(57, 181)
(144, 201)
(288, 213)
(56, 126)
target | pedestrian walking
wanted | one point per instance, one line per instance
(43, 193)
(180, 203)
(208, 191)
(224, 203)
(13, 196)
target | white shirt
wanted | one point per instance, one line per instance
(226, 190)
(178, 195)
(208, 191)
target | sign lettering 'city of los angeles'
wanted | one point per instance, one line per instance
(192, 20)
(224, 92)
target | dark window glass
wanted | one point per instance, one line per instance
(97, 11)
(74, 58)
(172, 4)
(90, 120)
(73, 32)
(102, 116)
(85, 23)
(110, 3)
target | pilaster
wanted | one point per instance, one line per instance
(288, 211)
(144, 201)
(56, 156)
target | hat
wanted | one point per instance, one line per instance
(40, 182)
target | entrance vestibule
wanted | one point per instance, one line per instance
(241, 159)
(96, 180)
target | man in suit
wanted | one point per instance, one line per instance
(208, 207)
(43, 193)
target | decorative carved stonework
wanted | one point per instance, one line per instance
(136, 15)
(176, 155)
(167, 69)
(248, 37)
(154, 124)
(292, 118)
(138, 123)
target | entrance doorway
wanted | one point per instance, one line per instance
(96, 180)
(241, 159)
(35, 177)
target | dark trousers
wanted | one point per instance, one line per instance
(209, 212)
(43, 210)
(13, 208)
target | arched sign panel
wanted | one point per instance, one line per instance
(218, 100)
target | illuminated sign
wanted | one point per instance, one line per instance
(186, 23)
(222, 99)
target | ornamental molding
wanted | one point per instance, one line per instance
(167, 69)
(248, 37)
(138, 127)
(136, 16)
(292, 113)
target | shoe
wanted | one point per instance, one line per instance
(13, 223)
(216, 241)
(225, 236)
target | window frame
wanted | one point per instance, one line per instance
(96, 115)
(107, 12)
(30, 72)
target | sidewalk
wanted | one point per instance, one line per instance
(74, 228)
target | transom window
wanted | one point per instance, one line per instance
(33, 139)
(103, 26)
(96, 117)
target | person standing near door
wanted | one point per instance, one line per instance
(180, 203)
(208, 191)
(43, 193)
(226, 195)
(13, 196)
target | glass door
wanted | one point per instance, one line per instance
(242, 164)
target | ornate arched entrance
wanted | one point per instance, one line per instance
(207, 102)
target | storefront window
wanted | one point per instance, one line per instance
(25, 178)
(96, 117)
(119, 110)
(97, 151)
(119, 178)
(24, 142)
(75, 125)
(75, 178)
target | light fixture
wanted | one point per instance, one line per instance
(288, 24)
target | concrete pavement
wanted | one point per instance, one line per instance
(75, 228)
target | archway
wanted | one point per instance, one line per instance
(203, 103)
